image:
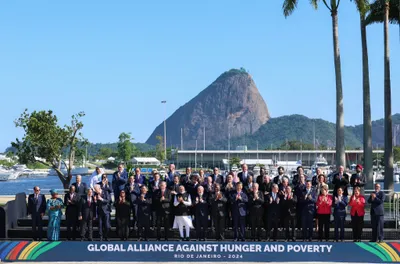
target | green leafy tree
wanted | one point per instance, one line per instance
(234, 161)
(396, 154)
(333, 6)
(160, 155)
(45, 139)
(105, 153)
(125, 146)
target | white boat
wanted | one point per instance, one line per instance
(379, 176)
(74, 171)
(320, 162)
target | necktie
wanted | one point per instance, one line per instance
(89, 202)
(162, 194)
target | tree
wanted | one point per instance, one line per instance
(377, 8)
(234, 161)
(396, 154)
(333, 7)
(105, 153)
(160, 154)
(363, 7)
(125, 146)
(45, 139)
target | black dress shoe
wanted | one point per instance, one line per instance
(187, 239)
(293, 239)
(90, 239)
(235, 240)
(309, 240)
(107, 239)
(81, 239)
(380, 241)
(243, 240)
(166, 239)
(372, 241)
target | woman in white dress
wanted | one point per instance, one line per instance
(182, 202)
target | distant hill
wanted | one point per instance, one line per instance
(233, 98)
(298, 127)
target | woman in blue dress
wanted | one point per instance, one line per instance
(54, 206)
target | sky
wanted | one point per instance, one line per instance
(117, 60)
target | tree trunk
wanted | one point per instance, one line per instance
(366, 106)
(340, 151)
(388, 106)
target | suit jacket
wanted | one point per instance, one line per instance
(217, 178)
(340, 207)
(144, 207)
(278, 181)
(241, 176)
(308, 202)
(131, 195)
(73, 207)
(118, 184)
(361, 177)
(103, 207)
(274, 206)
(171, 175)
(154, 186)
(36, 206)
(288, 206)
(340, 183)
(359, 207)
(162, 207)
(266, 188)
(81, 190)
(239, 207)
(256, 206)
(260, 179)
(377, 203)
(87, 212)
(218, 207)
(201, 208)
(208, 188)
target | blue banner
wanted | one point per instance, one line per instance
(199, 251)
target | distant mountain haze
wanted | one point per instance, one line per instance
(231, 103)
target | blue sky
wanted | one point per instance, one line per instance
(116, 60)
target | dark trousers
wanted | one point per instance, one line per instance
(323, 226)
(239, 224)
(299, 218)
(201, 226)
(377, 227)
(72, 223)
(256, 223)
(144, 227)
(134, 215)
(123, 227)
(339, 224)
(289, 222)
(163, 221)
(357, 224)
(104, 225)
(266, 221)
(37, 226)
(273, 223)
(219, 224)
(87, 225)
(307, 224)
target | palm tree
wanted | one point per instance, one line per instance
(288, 8)
(382, 8)
(363, 7)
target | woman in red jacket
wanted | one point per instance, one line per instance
(357, 203)
(324, 205)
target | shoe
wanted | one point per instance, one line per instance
(336, 240)
(243, 240)
(380, 241)
(90, 239)
(158, 239)
(372, 241)
(235, 240)
(259, 240)
(341, 240)
(187, 239)
(309, 240)
(107, 239)
(274, 240)
(166, 239)
(182, 239)
(287, 240)
(293, 239)
(359, 240)
(101, 239)
(81, 239)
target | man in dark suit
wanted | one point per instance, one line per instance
(244, 173)
(139, 177)
(296, 177)
(216, 177)
(132, 191)
(208, 185)
(308, 200)
(256, 202)
(278, 178)
(274, 212)
(71, 200)
(299, 192)
(340, 180)
(119, 179)
(201, 213)
(218, 201)
(171, 173)
(162, 205)
(144, 203)
(37, 208)
(260, 178)
(358, 179)
(185, 179)
(289, 213)
(102, 200)
(87, 213)
(377, 199)
(239, 210)
(80, 187)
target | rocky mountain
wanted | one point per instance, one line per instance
(231, 101)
